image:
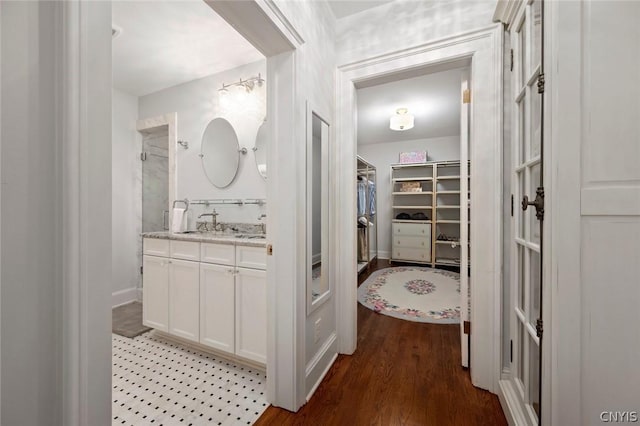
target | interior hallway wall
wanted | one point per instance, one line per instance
(196, 103)
(317, 55)
(382, 155)
(127, 200)
(405, 23)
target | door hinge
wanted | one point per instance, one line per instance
(511, 205)
(511, 350)
(539, 328)
(141, 268)
(143, 156)
(466, 96)
(269, 250)
(541, 83)
(466, 327)
(511, 60)
(538, 203)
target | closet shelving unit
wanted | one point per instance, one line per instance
(411, 238)
(440, 200)
(367, 174)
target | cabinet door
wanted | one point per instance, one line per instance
(155, 292)
(184, 299)
(217, 307)
(251, 314)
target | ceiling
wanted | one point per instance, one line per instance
(342, 8)
(434, 99)
(166, 43)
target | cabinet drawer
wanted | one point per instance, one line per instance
(411, 242)
(222, 254)
(415, 229)
(419, 255)
(186, 250)
(155, 247)
(251, 257)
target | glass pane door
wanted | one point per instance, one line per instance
(526, 40)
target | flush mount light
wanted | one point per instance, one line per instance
(402, 120)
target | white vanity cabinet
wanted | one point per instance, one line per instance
(155, 295)
(233, 303)
(184, 299)
(217, 306)
(211, 293)
(251, 314)
(171, 287)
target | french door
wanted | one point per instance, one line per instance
(527, 207)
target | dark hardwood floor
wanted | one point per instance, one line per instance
(403, 373)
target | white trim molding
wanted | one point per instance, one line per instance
(483, 48)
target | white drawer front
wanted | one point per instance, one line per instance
(251, 257)
(411, 242)
(412, 229)
(186, 250)
(419, 255)
(155, 247)
(222, 254)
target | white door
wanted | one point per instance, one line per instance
(465, 313)
(526, 256)
(251, 314)
(184, 299)
(217, 307)
(155, 295)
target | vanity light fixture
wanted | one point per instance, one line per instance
(402, 120)
(248, 84)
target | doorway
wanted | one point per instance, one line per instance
(483, 48)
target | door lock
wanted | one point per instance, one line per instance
(538, 203)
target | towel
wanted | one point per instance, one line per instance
(178, 222)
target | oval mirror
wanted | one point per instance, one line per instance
(260, 150)
(220, 152)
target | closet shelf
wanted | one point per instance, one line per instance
(412, 207)
(448, 207)
(409, 221)
(412, 179)
(443, 261)
(447, 221)
(413, 193)
(445, 242)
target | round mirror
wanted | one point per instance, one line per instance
(260, 150)
(220, 152)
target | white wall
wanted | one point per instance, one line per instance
(316, 24)
(127, 200)
(405, 23)
(197, 103)
(382, 155)
(30, 229)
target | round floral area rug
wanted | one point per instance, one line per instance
(414, 294)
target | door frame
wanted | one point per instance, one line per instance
(85, 70)
(484, 48)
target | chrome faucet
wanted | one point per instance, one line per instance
(214, 218)
(263, 215)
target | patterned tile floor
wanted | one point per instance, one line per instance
(156, 382)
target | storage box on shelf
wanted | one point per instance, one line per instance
(209, 293)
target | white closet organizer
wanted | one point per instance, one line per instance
(428, 198)
(366, 214)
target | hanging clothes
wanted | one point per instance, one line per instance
(372, 198)
(362, 198)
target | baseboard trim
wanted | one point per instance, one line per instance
(125, 296)
(509, 402)
(384, 254)
(329, 353)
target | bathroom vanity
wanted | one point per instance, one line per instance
(208, 288)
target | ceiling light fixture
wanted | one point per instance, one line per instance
(402, 120)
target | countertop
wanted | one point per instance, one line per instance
(209, 237)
